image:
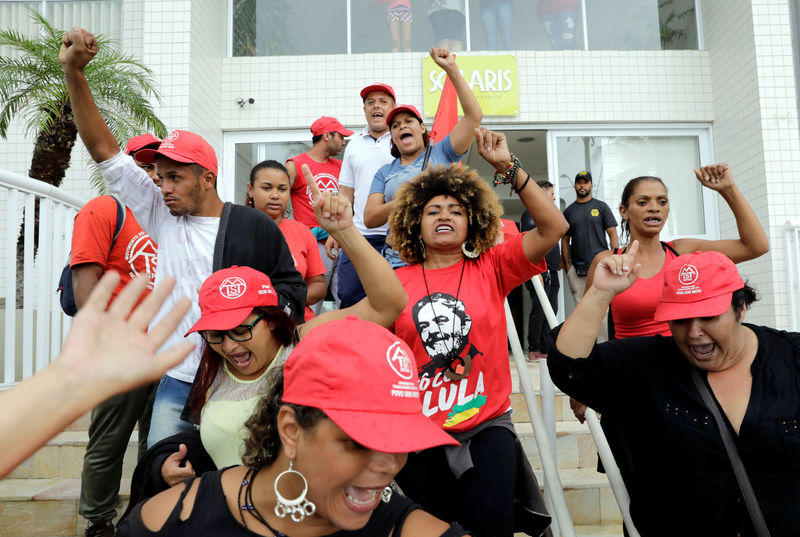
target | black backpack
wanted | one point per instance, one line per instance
(67, 296)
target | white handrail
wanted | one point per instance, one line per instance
(553, 488)
(32, 339)
(603, 450)
(791, 234)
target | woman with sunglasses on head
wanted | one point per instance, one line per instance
(445, 224)
(323, 446)
(247, 334)
(268, 191)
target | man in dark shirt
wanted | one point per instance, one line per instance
(590, 220)
(537, 323)
(683, 481)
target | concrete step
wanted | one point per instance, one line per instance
(62, 457)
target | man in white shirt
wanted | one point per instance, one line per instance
(196, 232)
(365, 153)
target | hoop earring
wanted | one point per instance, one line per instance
(470, 252)
(422, 246)
(386, 495)
(300, 507)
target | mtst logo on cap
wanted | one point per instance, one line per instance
(232, 288)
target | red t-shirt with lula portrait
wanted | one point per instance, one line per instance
(459, 336)
(304, 250)
(326, 174)
(134, 252)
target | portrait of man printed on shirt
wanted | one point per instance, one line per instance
(443, 326)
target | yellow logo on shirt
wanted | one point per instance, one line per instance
(595, 212)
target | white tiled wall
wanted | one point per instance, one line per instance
(555, 87)
(756, 129)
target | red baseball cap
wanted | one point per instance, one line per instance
(364, 378)
(408, 108)
(183, 146)
(378, 86)
(229, 295)
(698, 285)
(329, 124)
(138, 142)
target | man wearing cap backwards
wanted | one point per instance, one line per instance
(327, 135)
(683, 482)
(136, 144)
(366, 152)
(196, 232)
(590, 220)
(107, 237)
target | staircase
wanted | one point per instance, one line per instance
(40, 498)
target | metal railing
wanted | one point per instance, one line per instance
(791, 234)
(545, 434)
(33, 324)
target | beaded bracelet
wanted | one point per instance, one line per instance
(508, 176)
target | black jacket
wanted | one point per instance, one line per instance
(248, 237)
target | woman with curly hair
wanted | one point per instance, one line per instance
(445, 224)
(324, 444)
(247, 334)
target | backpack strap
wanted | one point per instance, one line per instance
(121, 212)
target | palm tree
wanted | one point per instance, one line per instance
(32, 87)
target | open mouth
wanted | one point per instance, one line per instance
(652, 220)
(443, 228)
(703, 352)
(362, 500)
(406, 135)
(377, 115)
(241, 360)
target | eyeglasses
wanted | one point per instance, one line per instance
(240, 334)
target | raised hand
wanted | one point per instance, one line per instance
(78, 47)
(616, 273)
(717, 177)
(111, 346)
(493, 147)
(334, 212)
(443, 58)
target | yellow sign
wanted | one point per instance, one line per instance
(493, 80)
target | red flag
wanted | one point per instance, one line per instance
(446, 114)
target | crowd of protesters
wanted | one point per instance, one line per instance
(390, 414)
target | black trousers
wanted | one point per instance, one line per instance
(482, 499)
(537, 322)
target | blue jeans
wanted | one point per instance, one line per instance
(167, 408)
(350, 289)
(494, 13)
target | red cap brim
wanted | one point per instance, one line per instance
(149, 156)
(708, 307)
(221, 320)
(390, 433)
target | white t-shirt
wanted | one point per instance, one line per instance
(185, 249)
(363, 156)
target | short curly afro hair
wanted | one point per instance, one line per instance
(481, 203)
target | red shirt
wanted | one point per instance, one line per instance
(305, 252)
(634, 308)
(134, 252)
(476, 314)
(326, 174)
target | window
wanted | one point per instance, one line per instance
(615, 158)
(282, 27)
